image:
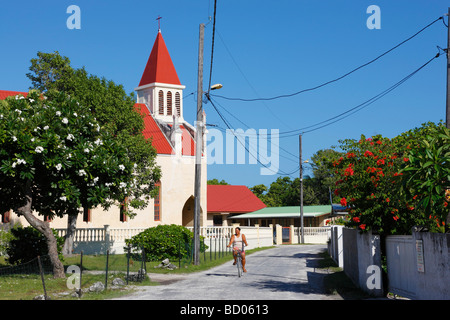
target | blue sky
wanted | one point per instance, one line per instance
(262, 49)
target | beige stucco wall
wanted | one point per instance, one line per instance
(177, 186)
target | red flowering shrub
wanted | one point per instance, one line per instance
(384, 184)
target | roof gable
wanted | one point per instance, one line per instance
(232, 199)
(159, 66)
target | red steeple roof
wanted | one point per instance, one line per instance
(159, 66)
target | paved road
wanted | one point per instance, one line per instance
(282, 273)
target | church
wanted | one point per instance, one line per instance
(160, 101)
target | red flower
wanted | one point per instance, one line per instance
(356, 219)
(368, 153)
(379, 142)
(445, 204)
(395, 218)
(379, 162)
(362, 226)
(344, 202)
(405, 159)
(387, 199)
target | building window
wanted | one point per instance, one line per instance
(161, 102)
(6, 217)
(123, 210)
(86, 215)
(169, 103)
(157, 205)
(178, 103)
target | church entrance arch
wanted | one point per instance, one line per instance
(188, 213)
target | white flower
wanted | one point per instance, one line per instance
(14, 165)
(70, 137)
(108, 184)
(63, 198)
(81, 173)
(121, 167)
(98, 142)
(39, 149)
(18, 111)
(95, 180)
(75, 114)
(14, 138)
(31, 100)
(122, 185)
(86, 150)
(65, 121)
(1, 116)
(58, 113)
(46, 127)
(58, 166)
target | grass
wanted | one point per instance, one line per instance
(28, 286)
(337, 282)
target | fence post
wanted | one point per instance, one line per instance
(106, 273)
(42, 277)
(81, 272)
(107, 235)
(128, 262)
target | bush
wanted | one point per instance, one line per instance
(28, 243)
(164, 241)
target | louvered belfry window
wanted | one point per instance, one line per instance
(178, 104)
(169, 103)
(161, 102)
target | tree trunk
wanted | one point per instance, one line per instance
(71, 227)
(44, 228)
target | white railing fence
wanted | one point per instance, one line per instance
(317, 235)
(99, 240)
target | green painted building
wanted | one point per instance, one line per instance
(313, 216)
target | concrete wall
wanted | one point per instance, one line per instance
(434, 282)
(362, 260)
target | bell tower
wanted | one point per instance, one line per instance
(160, 88)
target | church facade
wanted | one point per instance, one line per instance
(160, 101)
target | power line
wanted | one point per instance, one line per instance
(339, 78)
(348, 112)
(243, 144)
(212, 45)
(367, 102)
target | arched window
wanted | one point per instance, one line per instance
(161, 102)
(178, 103)
(169, 103)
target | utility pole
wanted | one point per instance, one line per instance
(302, 238)
(198, 149)
(447, 113)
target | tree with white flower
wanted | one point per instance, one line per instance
(43, 174)
(115, 112)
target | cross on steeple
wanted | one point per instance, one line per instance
(159, 25)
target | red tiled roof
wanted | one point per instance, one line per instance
(232, 199)
(188, 143)
(152, 130)
(5, 93)
(159, 139)
(159, 66)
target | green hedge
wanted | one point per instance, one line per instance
(164, 241)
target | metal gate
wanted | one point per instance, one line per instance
(401, 264)
(286, 235)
